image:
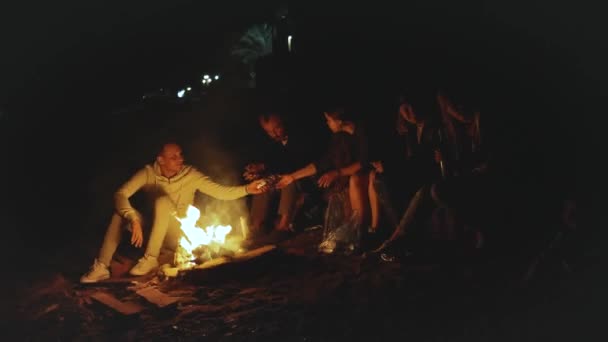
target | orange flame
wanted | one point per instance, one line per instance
(195, 237)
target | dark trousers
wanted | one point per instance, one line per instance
(260, 205)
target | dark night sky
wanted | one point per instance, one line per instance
(69, 52)
(69, 57)
(111, 50)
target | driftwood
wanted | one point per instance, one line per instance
(125, 308)
(254, 253)
(154, 296)
(168, 271)
(230, 267)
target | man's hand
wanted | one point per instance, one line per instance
(257, 187)
(137, 235)
(327, 178)
(285, 181)
(378, 166)
(253, 171)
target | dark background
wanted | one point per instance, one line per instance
(66, 67)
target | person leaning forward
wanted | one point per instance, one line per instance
(174, 185)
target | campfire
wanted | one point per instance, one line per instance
(198, 245)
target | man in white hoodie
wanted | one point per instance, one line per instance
(174, 186)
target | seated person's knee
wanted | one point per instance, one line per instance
(358, 180)
(372, 176)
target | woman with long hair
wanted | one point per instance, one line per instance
(343, 171)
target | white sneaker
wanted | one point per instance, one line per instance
(98, 271)
(145, 265)
(327, 246)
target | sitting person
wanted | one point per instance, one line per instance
(343, 168)
(406, 161)
(466, 160)
(172, 186)
(285, 154)
(414, 169)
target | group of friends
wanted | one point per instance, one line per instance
(438, 161)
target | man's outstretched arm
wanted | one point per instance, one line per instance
(205, 185)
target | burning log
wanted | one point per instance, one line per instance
(237, 258)
(209, 247)
(255, 253)
(200, 255)
(198, 244)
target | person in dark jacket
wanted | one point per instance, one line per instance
(286, 153)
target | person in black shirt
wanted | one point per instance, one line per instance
(344, 167)
(285, 153)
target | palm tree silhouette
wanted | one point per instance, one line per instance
(254, 44)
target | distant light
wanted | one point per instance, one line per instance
(289, 43)
(217, 77)
(189, 88)
(205, 76)
(181, 93)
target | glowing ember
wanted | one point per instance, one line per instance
(197, 241)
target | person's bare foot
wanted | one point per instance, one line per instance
(283, 224)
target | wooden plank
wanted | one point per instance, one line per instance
(125, 308)
(214, 262)
(154, 296)
(248, 264)
(169, 271)
(254, 253)
(127, 278)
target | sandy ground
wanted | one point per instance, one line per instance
(295, 294)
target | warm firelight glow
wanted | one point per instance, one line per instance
(195, 237)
